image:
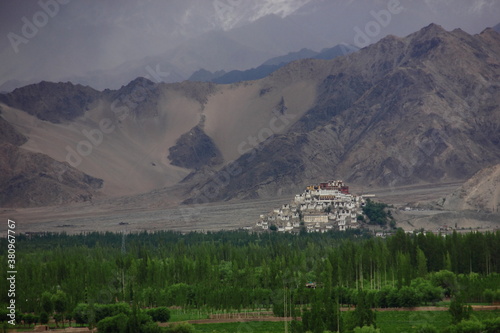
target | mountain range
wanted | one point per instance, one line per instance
(270, 65)
(418, 109)
(406, 110)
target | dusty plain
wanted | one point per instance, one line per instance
(149, 213)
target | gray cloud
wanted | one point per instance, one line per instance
(94, 37)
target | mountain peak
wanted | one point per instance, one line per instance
(490, 31)
(433, 27)
(430, 31)
(140, 81)
(49, 85)
(52, 101)
(497, 27)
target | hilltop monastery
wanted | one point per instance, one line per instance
(327, 206)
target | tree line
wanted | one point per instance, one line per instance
(232, 270)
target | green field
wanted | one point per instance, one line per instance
(388, 322)
(253, 327)
(184, 315)
(409, 321)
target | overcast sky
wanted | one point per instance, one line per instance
(56, 39)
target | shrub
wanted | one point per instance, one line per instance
(29, 319)
(466, 326)
(446, 280)
(489, 295)
(408, 297)
(115, 324)
(427, 291)
(459, 311)
(492, 325)
(366, 329)
(375, 211)
(109, 310)
(80, 314)
(44, 318)
(161, 314)
(382, 297)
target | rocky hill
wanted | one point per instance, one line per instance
(480, 193)
(29, 179)
(54, 102)
(194, 150)
(407, 110)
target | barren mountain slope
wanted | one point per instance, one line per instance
(30, 179)
(123, 139)
(126, 135)
(55, 102)
(418, 109)
(481, 192)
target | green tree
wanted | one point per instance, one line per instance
(489, 295)
(421, 263)
(114, 324)
(161, 314)
(427, 292)
(60, 301)
(30, 319)
(36, 319)
(375, 211)
(47, 302)
(44, 318)
(446, 280)
(362, 315)
(80, 314)
(69, 317)
(408, 297)
(58, 317)
(459, 310)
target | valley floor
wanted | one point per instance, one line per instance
(128, 214)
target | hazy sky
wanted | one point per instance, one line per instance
(57, 39)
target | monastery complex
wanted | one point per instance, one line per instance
(327, 206)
